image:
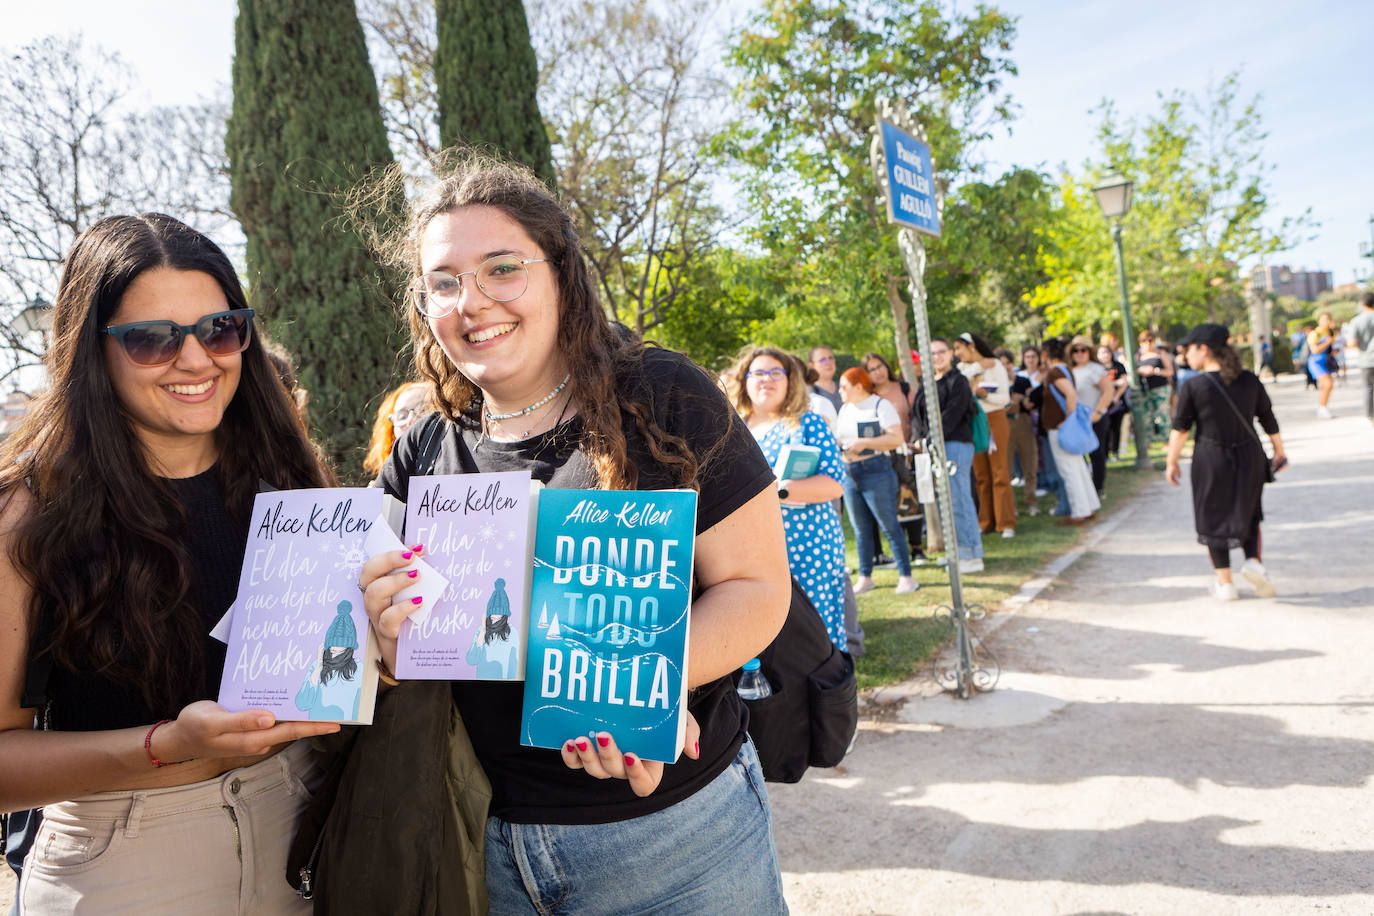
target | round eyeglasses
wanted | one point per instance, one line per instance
(775, 374)
(502, 278)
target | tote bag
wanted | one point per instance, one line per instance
(1076, 435)
(982, 435)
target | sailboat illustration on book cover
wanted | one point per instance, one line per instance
(610, 604)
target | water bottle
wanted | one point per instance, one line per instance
(752, 684)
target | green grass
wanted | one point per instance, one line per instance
(900, 633)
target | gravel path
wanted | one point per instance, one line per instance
(1148, 750)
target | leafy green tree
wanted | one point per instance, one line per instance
(306, 126)
(809, 74)
(1199, 209)
(486, 74)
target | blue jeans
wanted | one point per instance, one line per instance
(870, 492)
(961, 496)
(1053, 482)
(711, 853)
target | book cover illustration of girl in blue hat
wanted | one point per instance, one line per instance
(493, 651)
(332, 688)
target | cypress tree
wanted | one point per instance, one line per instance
(486, 73)
(307, 125)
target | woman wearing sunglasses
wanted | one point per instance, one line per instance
(530, 375)
(124, 509)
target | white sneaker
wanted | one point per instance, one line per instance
(1009, 533)
(1041, 494)
(942, 562)
(1227, 592)
(1018, 481)
(1254, 571)
(864, 584)
(971, 566)
(906, 585)
(1324, 413)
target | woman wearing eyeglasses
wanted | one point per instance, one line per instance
(530, 375)
(770, 394)
(397, 413)
(124, 509)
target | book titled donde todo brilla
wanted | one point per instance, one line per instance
(610, 602)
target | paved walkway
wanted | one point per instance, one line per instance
(1148, 750)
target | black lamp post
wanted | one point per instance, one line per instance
(1114, 197)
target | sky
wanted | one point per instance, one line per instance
(1309, 63)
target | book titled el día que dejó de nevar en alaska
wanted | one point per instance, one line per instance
(299, 641)
(476, 532)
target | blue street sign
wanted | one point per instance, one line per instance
(910, 181)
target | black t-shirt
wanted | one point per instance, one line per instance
(532, 785)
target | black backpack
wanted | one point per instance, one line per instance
(813, 714)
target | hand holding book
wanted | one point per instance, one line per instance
(602, 759)
(382, 579)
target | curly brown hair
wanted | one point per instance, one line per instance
(605, 361)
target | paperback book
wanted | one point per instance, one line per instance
(476, 532)
(299, 640)
(797, 462)
(610, 605)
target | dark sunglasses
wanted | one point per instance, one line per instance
(154, 343)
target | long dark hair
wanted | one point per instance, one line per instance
(979, 345)
(605, 364)
(102, 546)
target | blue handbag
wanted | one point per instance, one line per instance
(1076, 434)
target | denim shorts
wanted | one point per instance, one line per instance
(712, 853)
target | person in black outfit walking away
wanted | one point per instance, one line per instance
(1228, 472)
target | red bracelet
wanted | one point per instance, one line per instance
(148, 748)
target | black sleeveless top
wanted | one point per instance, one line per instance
(82, 700)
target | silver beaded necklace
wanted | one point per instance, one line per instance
(526, 411)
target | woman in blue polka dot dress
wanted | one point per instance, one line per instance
(768, 388)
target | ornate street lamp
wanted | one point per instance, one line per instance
(1114, 197)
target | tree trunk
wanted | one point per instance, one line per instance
(901, 327)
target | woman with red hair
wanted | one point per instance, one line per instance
(867, 428)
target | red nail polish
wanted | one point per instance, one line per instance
(569, 747)
(416, 600)
(603, 740)
(630, 760)
(696, 747)
(418, 548)
(406, 555)
(413, 573)
(581, 744)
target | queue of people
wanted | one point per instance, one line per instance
(124, 510)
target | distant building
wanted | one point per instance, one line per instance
(12, 411)
(1284, 281)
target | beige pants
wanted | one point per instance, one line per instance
(217, 846)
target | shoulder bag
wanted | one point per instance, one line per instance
(1076, 434)
(813, 714)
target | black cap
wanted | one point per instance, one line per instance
(1213, 335)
